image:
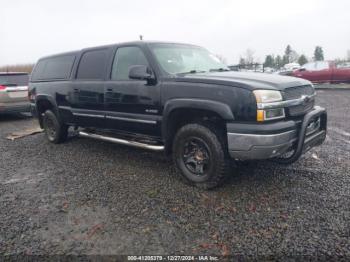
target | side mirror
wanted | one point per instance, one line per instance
(302, 69)
(140, 72)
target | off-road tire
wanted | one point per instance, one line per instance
(56, 131)
(216, 144)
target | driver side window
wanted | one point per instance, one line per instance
(321, 65)
(124, 58)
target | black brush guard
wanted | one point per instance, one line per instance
(304, 142)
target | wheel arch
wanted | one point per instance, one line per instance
(178, 112)
(43, 103)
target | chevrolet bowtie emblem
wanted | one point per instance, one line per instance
(306, 99)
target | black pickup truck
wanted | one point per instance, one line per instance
(180, 99)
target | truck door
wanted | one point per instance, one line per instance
(315, 71)
(341, 72)
(87, 90)
(307, 71)
(131, 105)
(323, 72)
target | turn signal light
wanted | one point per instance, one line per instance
(269, 114)
(260, 115)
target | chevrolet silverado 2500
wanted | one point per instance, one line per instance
(180, 99)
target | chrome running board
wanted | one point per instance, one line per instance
(121, 141)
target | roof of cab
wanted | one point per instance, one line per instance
(139, 42)
(60, 54)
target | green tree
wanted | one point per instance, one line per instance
(278, 62)
(285, 60)
(290, 55)
(318, 54)
(293, 57)
(302, 60)
(269, 61)
(287, 54)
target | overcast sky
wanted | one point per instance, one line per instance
(35, 28)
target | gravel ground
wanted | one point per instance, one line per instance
(92, 197)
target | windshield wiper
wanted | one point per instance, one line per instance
(219, 69)
(193, 72)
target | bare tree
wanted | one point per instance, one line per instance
(249, 56)
(221, 58)
(242, 61)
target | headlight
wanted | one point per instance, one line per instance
(267, 96)
(264, 97)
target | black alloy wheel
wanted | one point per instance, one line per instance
(201, 156)
(196, 156)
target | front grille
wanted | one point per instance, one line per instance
(295, 93)
(301, 109)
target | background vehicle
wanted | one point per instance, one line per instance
(324, 71)
(178, 98)
(14, 92)
(287, 70)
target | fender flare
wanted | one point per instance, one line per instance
(48, 98)
(51, 100)
(223, 110)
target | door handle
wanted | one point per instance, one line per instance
(109, 89)
(76, 90)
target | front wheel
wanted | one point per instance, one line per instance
(200, 154)
(56, 131)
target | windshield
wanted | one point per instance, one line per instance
(179, 58)
(14, 80)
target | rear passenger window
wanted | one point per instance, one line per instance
(124, 58)
(55, 68)
(93, 65)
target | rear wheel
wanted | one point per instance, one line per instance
(199, 152)
(56, 131)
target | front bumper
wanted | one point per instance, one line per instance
(264, 141)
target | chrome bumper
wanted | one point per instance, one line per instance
(244, 146)
(250, 146)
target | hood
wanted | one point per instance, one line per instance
(248, 80)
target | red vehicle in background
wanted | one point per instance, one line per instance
(324, 71)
